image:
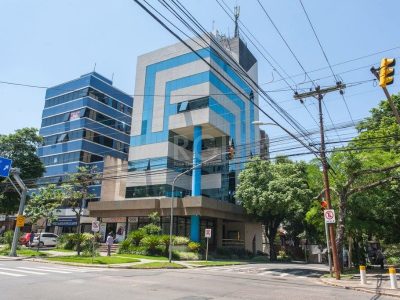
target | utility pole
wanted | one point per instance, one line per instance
(318, 94)
(16, 172)
(385, 77)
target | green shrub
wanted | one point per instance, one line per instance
(124, 247)
(194, 247)
(260, 258)
(8, 237)
(70, 241)
(283, 256)
(180, 255)
(181, 241)
(393, 260)
(66, 241)
(232, 253)
(136, 236)
(139, 250)
(90, 244)
(151, 229)
(151, 242)
(165, 241)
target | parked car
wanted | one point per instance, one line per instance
(46, 239)
(24, 239)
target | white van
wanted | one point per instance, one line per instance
(46, 239)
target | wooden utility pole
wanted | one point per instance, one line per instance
(318, 94)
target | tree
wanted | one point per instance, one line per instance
(76, 193)
(43, 205)
(21, 147)
(273, 193)
(355, 176)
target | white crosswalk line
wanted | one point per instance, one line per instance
(23, 271)
(11, 274)
(265, 273)
(46, 269)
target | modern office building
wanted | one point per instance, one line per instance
(83, 120)
(189, 107)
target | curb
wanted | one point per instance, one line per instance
(360, 289)
(78, 264)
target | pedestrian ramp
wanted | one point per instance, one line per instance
(22, 271)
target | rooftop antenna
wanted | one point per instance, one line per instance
(236, 15)
(94, 68)
(112, 76)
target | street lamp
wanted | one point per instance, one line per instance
(172, 197)
(259, 123)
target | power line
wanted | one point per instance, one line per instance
(326, 57)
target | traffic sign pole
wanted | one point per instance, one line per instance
(16, 172)
(329, 248)
(207, 235)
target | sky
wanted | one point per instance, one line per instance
(44, 43)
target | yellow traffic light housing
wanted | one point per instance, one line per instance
(386, 72)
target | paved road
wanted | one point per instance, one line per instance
(30, 280)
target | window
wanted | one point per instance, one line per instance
(193, 104)
(183, 106)
(62, 138)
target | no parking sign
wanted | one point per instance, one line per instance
(329, 215)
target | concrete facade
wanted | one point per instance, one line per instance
(186, 111)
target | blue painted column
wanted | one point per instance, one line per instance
(196, 182)
(195, 228)
(196, 174)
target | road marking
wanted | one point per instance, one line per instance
(11, 274)
(23, 271)
(45, 269)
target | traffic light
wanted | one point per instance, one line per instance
(324, 205)
(386, 71)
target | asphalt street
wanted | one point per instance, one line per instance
(32, 280)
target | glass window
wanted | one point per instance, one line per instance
(62, 138)
(183, 106)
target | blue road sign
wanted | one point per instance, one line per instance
(5, 166)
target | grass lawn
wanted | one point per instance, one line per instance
(141, 256)
(98, 260)
(25, 252)
(349, 273)
(158, 265)
(61, 250)
(216, 263)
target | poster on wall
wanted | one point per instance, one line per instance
(103, 228)
(120, 234)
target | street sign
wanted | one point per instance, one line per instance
(20, 221)
(329, 215)
(5, 166)
(96, 226)
(207, 233)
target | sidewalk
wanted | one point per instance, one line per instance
(376, 284)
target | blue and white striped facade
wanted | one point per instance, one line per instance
(185, 112)
(84, 120)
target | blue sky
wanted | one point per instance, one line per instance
(48, 42)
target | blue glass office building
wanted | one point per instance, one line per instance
(84, 120)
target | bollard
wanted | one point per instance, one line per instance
(393, 278)
(363, 275)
